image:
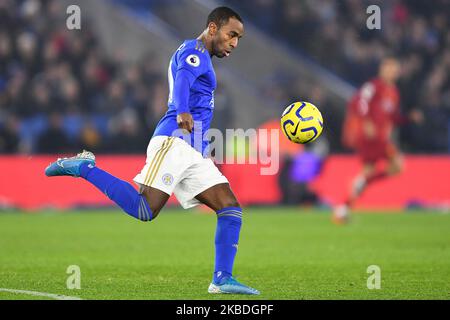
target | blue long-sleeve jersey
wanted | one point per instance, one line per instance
(192, 82)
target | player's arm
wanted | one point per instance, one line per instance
(190, 67)
(181, 92)
(363, 102)
(414, 116)
(399, 118)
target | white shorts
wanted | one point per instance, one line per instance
(173, 166)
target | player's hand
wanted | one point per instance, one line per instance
(369, 129)
(416, 116)
(185, 121)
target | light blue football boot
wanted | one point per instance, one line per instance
(70, 166)
(231, 285)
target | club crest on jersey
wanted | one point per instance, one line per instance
(167, 179)
(193, 60)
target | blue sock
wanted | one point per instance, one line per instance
(229, 221)
(119, 191)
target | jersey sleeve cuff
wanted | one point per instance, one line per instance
(183, 110)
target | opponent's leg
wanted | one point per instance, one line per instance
(395, 165)
(121, 192)
(370, 175)
(221, 199)
(341, 213)
(360, 182)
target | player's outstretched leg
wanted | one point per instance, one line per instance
(229, 222)
(341, 214)
(119, 191)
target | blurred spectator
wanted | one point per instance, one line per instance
(54, 139)
(127, 134)
(90, 138)
(223, 112)
(299, 170)
(9, 135)
(432, 135)
(62, 90)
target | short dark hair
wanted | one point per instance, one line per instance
(221, 15)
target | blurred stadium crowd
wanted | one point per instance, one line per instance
(59, 91)
(335, 35)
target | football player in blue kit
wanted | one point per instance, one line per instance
(176, 154)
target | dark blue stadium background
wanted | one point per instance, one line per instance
(61, 92)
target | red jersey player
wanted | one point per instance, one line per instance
(372, 113)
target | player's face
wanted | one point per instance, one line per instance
(390, 70)
(226, 39)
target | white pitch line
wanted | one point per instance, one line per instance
(40, 294)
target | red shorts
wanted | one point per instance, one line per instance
(371, 152)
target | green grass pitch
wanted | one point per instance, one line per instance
(287, 253)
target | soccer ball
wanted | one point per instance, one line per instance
(302, 122)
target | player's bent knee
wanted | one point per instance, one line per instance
(155, 212)
(147, 211)
(226, 203)
(396, 168)
(156, 200)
